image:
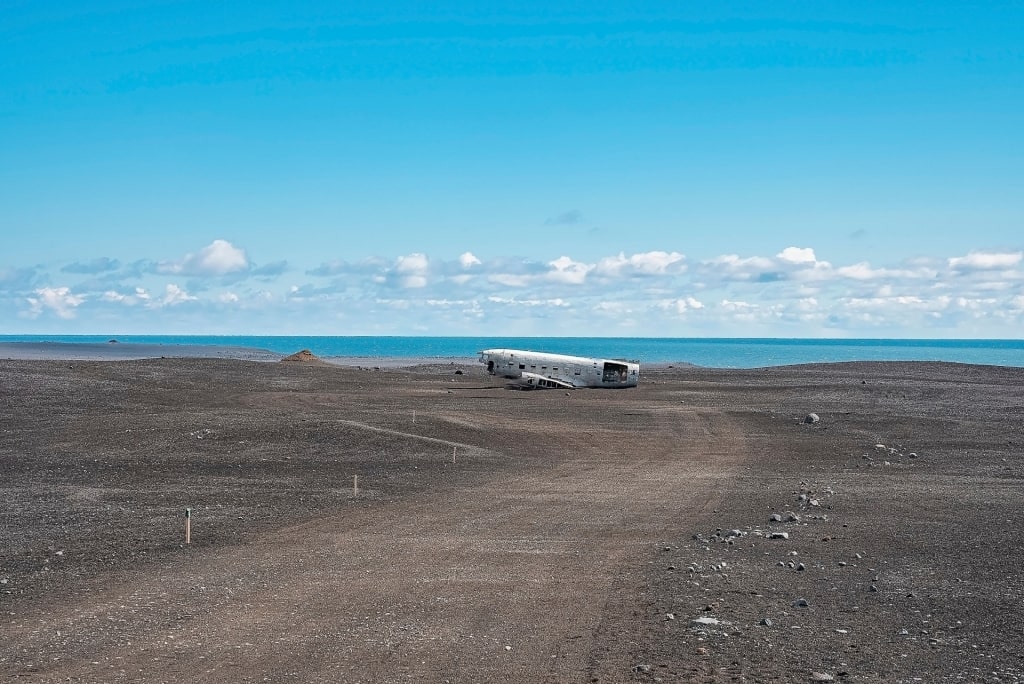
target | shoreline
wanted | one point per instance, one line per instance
(393, 351)
(114, 351)
(133, 351)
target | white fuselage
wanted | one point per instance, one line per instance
(544, 370)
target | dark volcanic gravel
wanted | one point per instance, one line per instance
(696, 528)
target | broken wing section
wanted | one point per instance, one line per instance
(537, 381)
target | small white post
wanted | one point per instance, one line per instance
(355, 485)
(454, 449)
(414, 417)
(188, 525)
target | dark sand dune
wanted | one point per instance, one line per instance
(508, 536)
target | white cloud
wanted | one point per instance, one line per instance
(557, 302)
(511, 279)
(613, 307)
(412, 270)
(565, 270)
(797, 255)
(174, 295)
(864, 271)
(738, 311)
(647, 263)
(861, 271)
(807, 304)
(59, 300)
(218, 258)
(790, 293)
(445, 303)
(900, 302)
(732, 266)
(412, 263)
(139, 295)
(736, 306)
(986, 261)
(681, 305)
(975, 304)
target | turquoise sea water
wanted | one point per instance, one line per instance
(711, 352)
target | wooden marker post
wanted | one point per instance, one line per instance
(188, 525)
(454, 450)
(355, 485)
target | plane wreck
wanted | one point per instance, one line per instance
(544, 370)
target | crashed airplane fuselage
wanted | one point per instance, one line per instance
(543, 370)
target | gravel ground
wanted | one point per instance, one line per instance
(696, 528)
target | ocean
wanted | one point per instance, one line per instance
(709, 352)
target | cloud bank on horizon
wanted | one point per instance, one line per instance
(220, 289)
(783, 169)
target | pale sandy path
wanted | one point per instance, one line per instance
(504, 582)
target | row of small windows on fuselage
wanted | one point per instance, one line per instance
(522, 366)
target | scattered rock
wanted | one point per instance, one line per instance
(779, 535)
(705, 622)
(800, 603)
(812, 418)
(766, 622)
(822, 677)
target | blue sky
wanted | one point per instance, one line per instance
(831, 169)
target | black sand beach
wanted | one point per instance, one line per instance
(122, 351)
(696, 528)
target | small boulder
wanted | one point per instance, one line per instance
(812, 419)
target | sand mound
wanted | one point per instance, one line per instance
(304, 356)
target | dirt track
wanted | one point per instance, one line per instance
(509, 536)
